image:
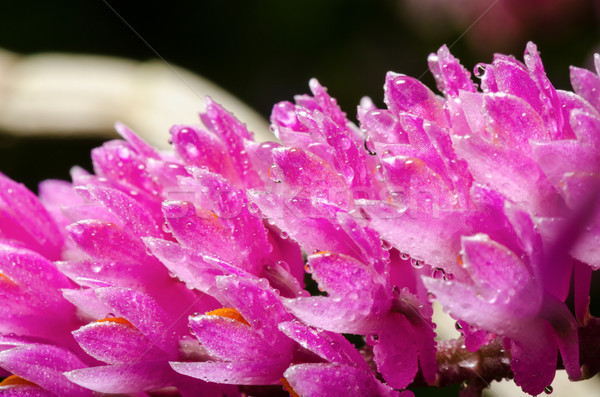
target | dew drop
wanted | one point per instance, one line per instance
(274, 173)
(110, 315)
(379, 173)
(345, 143)
(166, 227)
(416, 263)
(363, 213)
(252, 208)
(263, 283)
(479, 70)
(308, 268)
(96, 268)
(439, 273)
(367, 145)
(386, 245)
(458, 326)
(404, 256)
(372, 340)
(284, 235)
(548, 389)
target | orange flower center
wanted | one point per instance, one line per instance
(15, 380)
(288, 387)
(118, 320)
(229, 313)
(7, 280)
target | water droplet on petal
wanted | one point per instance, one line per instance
(404, 256)
(345, 143)
(367, 145)
(386, 245)
(166, 227)
(458, 326)
(284, 235)
(372, 340)
(439, 273)
(416, 263)
(479, 70)
(252, 208)
(548, 389)
(308, 268)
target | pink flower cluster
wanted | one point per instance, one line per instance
(185, 271)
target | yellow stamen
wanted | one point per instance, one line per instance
(288, 387)
(118, 320)
(15, 380)
(229, 313)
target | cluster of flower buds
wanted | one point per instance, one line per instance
(186, 271)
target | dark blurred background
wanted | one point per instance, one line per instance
(266, 51)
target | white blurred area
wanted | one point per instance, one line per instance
(62, 95)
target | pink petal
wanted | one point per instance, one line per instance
(129, 212)
(197, 147)
(106, 241)
(36, 227)
(328, 345)
(450, 75)
(144, 313)
(512, 121)
(407, 94)
(565, 333)
(127, 344)
(259, 304)
(534, 361)
(587, 85)
(506, 170)
(44, 365)
(263, 372)
(136, 142)
(232, 133)
(124, 378)
(306, 175)
(463, 302)
(314, 380)
(496, 271)
(397, 358)
(230, 340)
(334, 314)
(582, 277)
(119, 162)
(550, 111)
